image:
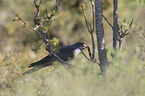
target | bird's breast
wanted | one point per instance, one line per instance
(76, 51)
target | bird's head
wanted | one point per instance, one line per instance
(80, 45)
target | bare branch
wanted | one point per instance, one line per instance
(92, 31)
(123, 33)
(57, 5)
(108, 22)
(124, 21)
(85, 55)
(36, 20)
(90, 28)
(85, 16)
(89, 59)
(36, 27)
(93, 12)
(142, 37)
(29, 25)
(131, 22)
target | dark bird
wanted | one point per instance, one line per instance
(65, 53)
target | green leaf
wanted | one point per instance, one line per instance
(15, 19)
(35, 48)
(39, 42)
(42, 28)
(52, 15)
(57, 47)
(55, 41)
(53, 19)
(47, 21)
(25, 25)
(55, 12)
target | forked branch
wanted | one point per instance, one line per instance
(122, 33)
(37, 21)
(108, 22)
(90, 28)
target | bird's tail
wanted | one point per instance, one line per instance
(33, 70)
(34, 64)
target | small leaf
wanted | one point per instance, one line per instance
(42, 28)
(52, 15)
(35, 48)
(47, 21)
(49, 42)
(25, 25)
(15, 19)
(55, 41)
(57, 47)
(48, 14)
(53, 19)
(39, 42)
(55, 12)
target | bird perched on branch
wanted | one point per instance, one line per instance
(65, 53)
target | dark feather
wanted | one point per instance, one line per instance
(44, 62)
(33, 70)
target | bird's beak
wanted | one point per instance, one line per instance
(85, 46)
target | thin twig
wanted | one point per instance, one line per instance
(108, 22)
(90, 29)
(142, 37)
(57, 5)
(94, 61)
(89, 59)
(28, 25)
(38, 7)
(131, 22)
(36, 27)
(92, 3)
(36, 20)
(85, 16)
(85, 55)
(40, 44)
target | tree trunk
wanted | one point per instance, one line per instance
(100, 36)
(115, 25)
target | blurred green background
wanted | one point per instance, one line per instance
(69, 25)
(126, 76)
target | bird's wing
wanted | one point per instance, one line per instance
(66, 52)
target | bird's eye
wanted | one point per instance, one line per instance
(82, 45)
